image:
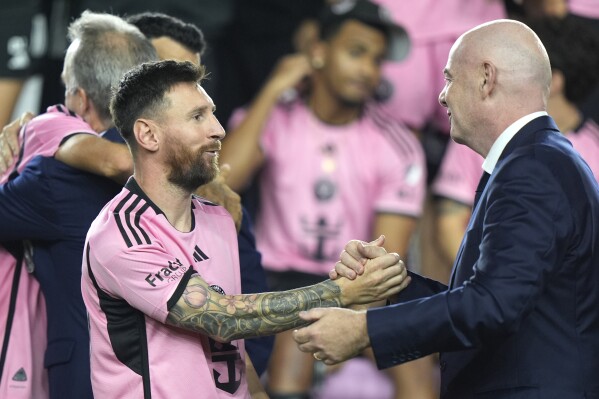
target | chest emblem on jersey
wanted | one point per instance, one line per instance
(218, 289)
(199, 255)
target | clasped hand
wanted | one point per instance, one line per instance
(336, 334)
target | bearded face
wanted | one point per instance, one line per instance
(190, 169)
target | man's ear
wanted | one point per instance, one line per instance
(83, 105)
(489, 79)
(145, 132)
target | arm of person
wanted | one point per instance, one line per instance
(255, 386)
(241, 148)
(228, 317)
(451, 220)
(25, 209)
(96, 155)
(523, 242)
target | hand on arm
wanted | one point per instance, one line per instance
(241, 149)
(9, 141)
(228, 317)
(96, 155)
(334, 335)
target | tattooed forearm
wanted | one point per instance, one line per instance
(228, 317)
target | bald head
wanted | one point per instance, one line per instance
(523, 68)
(496, 73)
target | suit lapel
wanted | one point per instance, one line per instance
(523, 137)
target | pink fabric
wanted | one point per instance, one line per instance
(433, 27)
(182, 364)
(322, 185)
(459, 174)
(43, 135)
(461, 167)
(585, 8)
(358, 378)
(24, 375)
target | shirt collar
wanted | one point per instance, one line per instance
(504, 138)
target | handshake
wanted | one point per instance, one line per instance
(366, 275)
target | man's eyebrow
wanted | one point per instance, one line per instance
(446, 73)
(198, 110)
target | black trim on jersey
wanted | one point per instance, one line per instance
(136, 222)
(203, 200)
(127, 331)
(15, 171)
(132, 186)
(180, 288)
(128, 219)
(117, 218)
(14, 289)
(65, 110)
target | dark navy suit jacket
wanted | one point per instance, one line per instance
(520, 318)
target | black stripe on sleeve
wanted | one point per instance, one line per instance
(180, 288)
(128, 221)
(136, 222)
(119, 223)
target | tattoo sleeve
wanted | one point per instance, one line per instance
(228, 317)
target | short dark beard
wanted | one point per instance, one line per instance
(188, 170)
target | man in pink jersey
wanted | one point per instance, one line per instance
(573, 50)
(160, 270)
(332, 168)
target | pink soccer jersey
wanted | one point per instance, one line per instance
(44, 134)
(461, 167)
(322, 185)
(135, 268)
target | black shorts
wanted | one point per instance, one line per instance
(16, 27)
(289, 280)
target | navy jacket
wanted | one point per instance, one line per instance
(520, 318)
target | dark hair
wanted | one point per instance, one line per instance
(141, 92)
(155, 25)
(573, 49)
(330, 27)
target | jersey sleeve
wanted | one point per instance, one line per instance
(146, 276)
(460, 172)
(44, 134)
(402, 177)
